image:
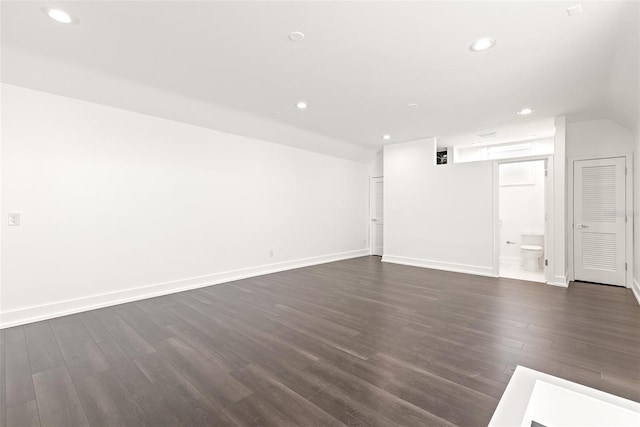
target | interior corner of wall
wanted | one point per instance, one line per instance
(635, 287)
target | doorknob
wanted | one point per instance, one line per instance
(581, 226)
(373, 220)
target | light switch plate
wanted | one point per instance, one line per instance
(14, 219)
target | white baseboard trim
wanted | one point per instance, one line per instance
(62, 308)
(635, 287)
(560, 281)
(440, 265)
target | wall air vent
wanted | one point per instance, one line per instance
(487, 135)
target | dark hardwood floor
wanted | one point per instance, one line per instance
(356, 342)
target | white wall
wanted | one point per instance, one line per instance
(24, 68)
(521, 206)
(441, 216)
(533, 147)
(636, 214)
(557, 250)
(117, 206)
(376, 167)
(598, 138)
(437, 216)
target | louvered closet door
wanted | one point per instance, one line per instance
(599, 221)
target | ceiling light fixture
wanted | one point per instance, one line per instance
(60, 16)
(482, 44)
(301, 105)
(412, 105)
(296, 36)
(574, 10)
(525, 112)
(386, 137)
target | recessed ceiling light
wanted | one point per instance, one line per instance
(525, 112)
(59, 15)
(412, 105)
(574, 10)
(482, 44)
(386, 137)
(301, 105)
(296, 36)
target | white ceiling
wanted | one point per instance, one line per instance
(504, 133)
(359, 66)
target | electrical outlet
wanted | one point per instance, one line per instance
(14, 219)
(271, 253)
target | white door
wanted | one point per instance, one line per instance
(599, 221)
(377, 222)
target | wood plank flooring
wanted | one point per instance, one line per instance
(355, 342)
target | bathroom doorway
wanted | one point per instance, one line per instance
(522, 219)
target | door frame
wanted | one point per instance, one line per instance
(628, 212)
(548, 206)
(371, 230)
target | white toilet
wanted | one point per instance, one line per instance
(532, 250)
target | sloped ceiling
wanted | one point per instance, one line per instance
(230, 65)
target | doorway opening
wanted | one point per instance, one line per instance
(522, 213)
(376, 211)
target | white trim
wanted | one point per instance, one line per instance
(36, 313)
(495, 215)
(440, 265)
(371, 208)
(628, 211)
(550, 223)
(520, 184)
(635, 287)
(560, 281)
